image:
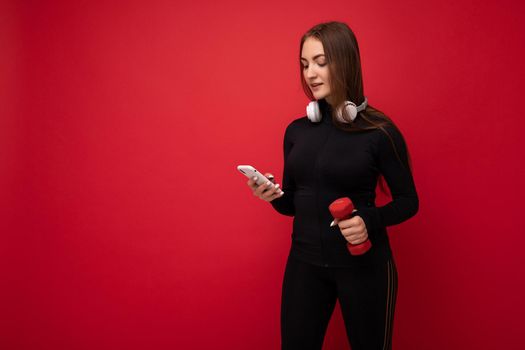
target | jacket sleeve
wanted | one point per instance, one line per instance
(285, 204)
(405, 202)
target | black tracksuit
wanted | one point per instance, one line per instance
(321, 164)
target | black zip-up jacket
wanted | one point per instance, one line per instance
(323, 163)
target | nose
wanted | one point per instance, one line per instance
(310, 72)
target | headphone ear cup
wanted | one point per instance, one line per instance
(351, 110)
(313, 112)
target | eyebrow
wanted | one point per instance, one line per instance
(302, 58)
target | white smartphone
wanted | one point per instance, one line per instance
(251, 172)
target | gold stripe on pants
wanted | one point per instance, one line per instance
(390, 304)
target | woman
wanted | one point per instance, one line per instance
(339, 152)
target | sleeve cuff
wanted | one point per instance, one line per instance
(371, 218)
(283, 206)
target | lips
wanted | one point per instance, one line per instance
(316, 84)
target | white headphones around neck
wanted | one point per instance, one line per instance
(314, 113)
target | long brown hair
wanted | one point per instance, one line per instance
(346, 80)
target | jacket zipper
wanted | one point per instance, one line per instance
(318, 179)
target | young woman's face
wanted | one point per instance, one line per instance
(315, 68)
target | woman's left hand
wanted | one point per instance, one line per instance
(353, 229)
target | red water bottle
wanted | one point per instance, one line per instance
(342, 209)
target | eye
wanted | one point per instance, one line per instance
(319, 64)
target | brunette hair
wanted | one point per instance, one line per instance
(346, 80)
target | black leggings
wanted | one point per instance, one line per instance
(367, 295)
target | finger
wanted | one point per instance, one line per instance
(270, 192)
(270, 177)
(277, 194)
(354, 221)
(352, 239)
(262, 188)
(273, 193)
(350, 233)
(252, 184)
(345, 224)
(356, 242)
(356, 238)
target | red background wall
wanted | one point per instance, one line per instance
(125, 224)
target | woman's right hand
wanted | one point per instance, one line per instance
(267, 192)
